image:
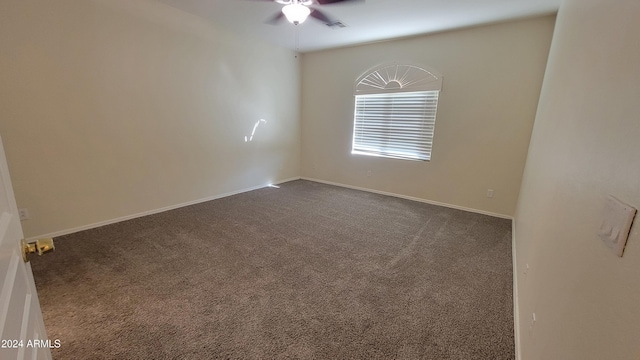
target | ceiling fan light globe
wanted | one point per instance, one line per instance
(296, 13)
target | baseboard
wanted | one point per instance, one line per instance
(284, 181)
(516, 312)
(151, 212)
(176, 206)
(431, 202)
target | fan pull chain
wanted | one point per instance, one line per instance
(297, 41)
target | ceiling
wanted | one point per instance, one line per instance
(367, 21)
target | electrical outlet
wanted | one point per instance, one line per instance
(489, 193)
(526, 270)
(24, 214)
(368, 173)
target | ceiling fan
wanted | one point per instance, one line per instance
(297, 11)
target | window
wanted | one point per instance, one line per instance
(395, 112)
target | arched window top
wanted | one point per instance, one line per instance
(391, 78)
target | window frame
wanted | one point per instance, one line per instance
(391, 81)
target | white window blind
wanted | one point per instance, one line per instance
(397, 125)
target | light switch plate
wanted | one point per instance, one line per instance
(616, 224)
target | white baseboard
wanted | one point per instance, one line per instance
(516, 312)
(176, 206)
(150, 212)
(502, 216)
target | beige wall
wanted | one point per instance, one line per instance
(110, 108)
(492, 78)
(585, 145)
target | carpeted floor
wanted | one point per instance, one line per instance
(306, 271)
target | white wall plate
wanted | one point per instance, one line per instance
(616, 224)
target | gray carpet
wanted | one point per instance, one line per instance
(306, 271)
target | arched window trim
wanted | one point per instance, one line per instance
(395, 111)
(409, 77)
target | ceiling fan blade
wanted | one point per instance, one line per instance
(327, 2)
(275, 19)
(321, 16)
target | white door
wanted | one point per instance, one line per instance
(22, 333)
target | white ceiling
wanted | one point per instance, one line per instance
(367, 21)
